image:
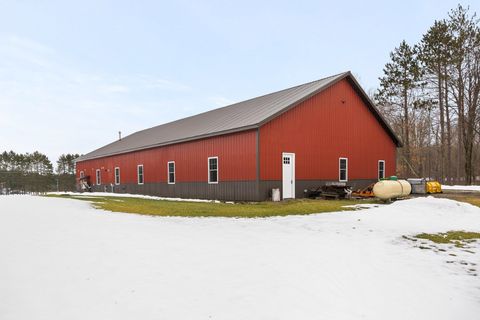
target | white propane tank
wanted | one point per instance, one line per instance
(406, 188)
(388, 189)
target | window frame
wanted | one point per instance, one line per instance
(138, 174)
(115, 175)
(340, 169)
(378, 169)
(217, 169)
(168, 173)
(82, 174)
(98, 177)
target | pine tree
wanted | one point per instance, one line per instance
(399, 90)
(435, 55)
(464, 80)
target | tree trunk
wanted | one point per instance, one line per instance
(460, 125)
(442, 125)
(449, 134)
(406, 132)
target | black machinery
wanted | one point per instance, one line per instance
(330, 190)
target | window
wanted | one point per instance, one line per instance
(117, 175)
(82, 174)
(286, 160)
(140, 174)
(343, 169)
(99, 177)
(171, 172)
(213, 170)
(381, 169)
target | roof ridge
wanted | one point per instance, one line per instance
(289, 88)
(243, 101)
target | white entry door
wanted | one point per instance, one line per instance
(288, 175)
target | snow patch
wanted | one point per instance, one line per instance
(363, 206)
(461, 188)
(128, 195)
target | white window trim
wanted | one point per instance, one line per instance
(98, 177)
(346, 169)
(168, 172)
(378, 169)
(115, 175)
(218, 171)
(82, 174)
(138, 174)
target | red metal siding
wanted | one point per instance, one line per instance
(335, 123)
(332, 124)
(236, 161)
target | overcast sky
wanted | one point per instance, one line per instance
(74, 73)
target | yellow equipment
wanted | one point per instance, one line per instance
(366, 192)
(434, 187)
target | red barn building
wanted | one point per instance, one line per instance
(294, 139)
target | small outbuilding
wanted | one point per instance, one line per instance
(294, 139)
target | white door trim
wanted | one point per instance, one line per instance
(285, 195)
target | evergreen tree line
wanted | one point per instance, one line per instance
(34, 173)
(430, 93)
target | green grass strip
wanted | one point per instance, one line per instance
(210, 209)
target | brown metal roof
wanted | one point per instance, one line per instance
(240, 116)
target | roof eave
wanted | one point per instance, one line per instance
(376, 112)
(363, 94)
(198, 137)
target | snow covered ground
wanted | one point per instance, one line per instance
(128, 195)
(461, 188)
(61, 259)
